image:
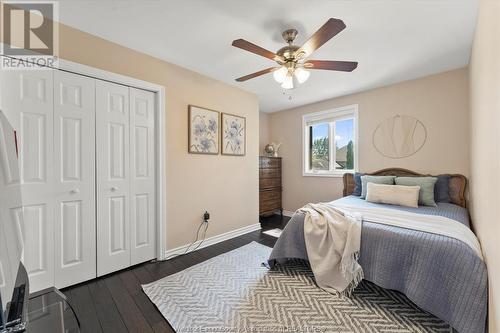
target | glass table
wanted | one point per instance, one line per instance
(49, 311)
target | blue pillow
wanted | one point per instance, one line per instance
(357, 182)
(442, 189)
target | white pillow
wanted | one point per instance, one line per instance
(393, 194)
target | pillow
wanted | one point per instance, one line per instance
(393, 194)
(357, 182)
(387, 180)
(426, 197)
(442, 189)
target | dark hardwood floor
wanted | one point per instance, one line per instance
(116, 302)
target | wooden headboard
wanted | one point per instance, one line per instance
(457, 183)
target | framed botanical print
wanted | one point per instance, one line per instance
(203, 131)
(233, 135)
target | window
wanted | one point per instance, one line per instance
(330, 142)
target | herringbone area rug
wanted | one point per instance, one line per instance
(233, 292)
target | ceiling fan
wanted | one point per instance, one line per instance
(292, 59)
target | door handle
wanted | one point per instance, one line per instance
(75, 191)
(114, 189)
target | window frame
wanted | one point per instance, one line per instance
(329, 116)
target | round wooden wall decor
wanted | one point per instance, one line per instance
(399, 136)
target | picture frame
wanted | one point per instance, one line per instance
(203, 130)
(233, 135)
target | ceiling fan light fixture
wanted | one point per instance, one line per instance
(280, 74)
(288, 83)
(293, 60)
(301, 75)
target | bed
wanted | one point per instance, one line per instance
(441, 275)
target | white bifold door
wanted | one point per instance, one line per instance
(113, 183)
(27, 100)
(74, 181)
(125, 169)
(142, 176)
(87, 173)
(54, 115)
(11, 226)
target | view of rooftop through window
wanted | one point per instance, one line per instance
(343, 141)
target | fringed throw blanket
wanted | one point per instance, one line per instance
(333, 241)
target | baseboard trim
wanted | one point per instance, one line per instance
(214, 240)
(287, 213)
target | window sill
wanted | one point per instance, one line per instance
(326, 175)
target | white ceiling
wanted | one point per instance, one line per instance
(393, 40)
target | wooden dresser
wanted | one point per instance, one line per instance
(270, 185)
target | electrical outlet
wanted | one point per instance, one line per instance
(206, 216)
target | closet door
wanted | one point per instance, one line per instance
(27, 98)
(74, 168)
(142, 175)
(113, 180)
(11, 225)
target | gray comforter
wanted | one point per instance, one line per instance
(439, 274)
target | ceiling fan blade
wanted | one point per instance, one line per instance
(250, 47)
(344, 66)
(320, 37)
(259, 73)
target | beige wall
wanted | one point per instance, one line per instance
(439, 101)
(485, 147)
(226, 186)
(263, 131)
